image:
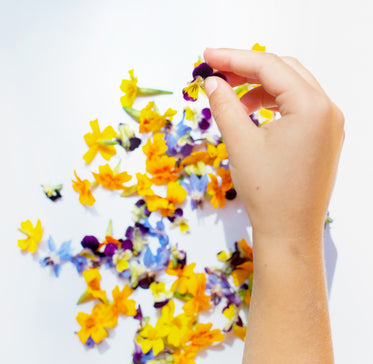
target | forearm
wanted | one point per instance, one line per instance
(288, 317)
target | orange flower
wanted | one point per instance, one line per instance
(226, 178)
(247, 251)
(183, 275)
(163, 169)
(155, 147)
(202, 336)
(122, 304)
(195, 157)
(217, 193)
(95, 324)
(98, 141)
(144, 184)
(151, 120)
(111, 179)
(92, 277)
(200, 301)
(84, 189)
(184, 357)
(242, 272)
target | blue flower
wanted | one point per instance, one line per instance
(80, 262)
(158, 231)
(196, 188)
(178, 139)
(56, 258)
(156, 262)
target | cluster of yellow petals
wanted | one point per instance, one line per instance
(96, 142)
(109, 179)
(104, 316)
(200, 301)
(217, 191)
(183, 276)
(94, 325)
(93, 277)
(152, 121)
(166, 205)
(33, 235)
(129, 87)
(84, 189)
(151, 337)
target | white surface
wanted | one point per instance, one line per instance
(61, 66)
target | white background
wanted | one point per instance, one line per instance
(61, 66)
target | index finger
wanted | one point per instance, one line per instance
(276, 76)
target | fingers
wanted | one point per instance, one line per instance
(258, 98)
(276, 76)
(307, 75)
(229, 114)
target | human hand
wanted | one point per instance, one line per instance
(284, 172)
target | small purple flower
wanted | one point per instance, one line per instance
(204, 70)
(205, 122)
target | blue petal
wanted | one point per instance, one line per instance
(64, 251)
(51, 244)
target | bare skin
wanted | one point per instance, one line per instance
(284, 174)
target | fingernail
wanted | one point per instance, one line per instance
(210, 85)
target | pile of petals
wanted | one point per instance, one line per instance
(186, 162)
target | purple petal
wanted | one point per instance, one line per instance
(203, 70)
(110, 249)
(134, 143)
(90, 242)
(203, 124)
(187, 97)
(126, 244)
(206, 113)
(218, 74)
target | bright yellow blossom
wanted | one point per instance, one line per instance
(121, 303)
(96, 142)
(183, 276)
(151, 120)
(33, 235)
(202, 336)
(151, 337)
(95, 324)
(159, 291)
(92, 277)
(155, 147)
(129, 87)
(217, 153)
(84, 189)
(200, 301)
(163, 169)
(258, 47)
(110, 179)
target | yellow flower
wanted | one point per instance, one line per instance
(155, 147)
(121, 258)
(151, 120)
(163, 169)
(159, 291)
(178, 326)
(34, 235)
(110, 179)
(95, 324)
(144, 184)
(218, 153)
(200, 301)
(92, 277)
(258, 47)
(129, 87)
(183, 276)
(98, 141)
(84, 189)
(121, 303)
(239, 332)
(151, 337)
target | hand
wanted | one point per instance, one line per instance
(284, 172)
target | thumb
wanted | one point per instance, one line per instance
(229, 113)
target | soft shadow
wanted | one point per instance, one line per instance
(330, 257)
